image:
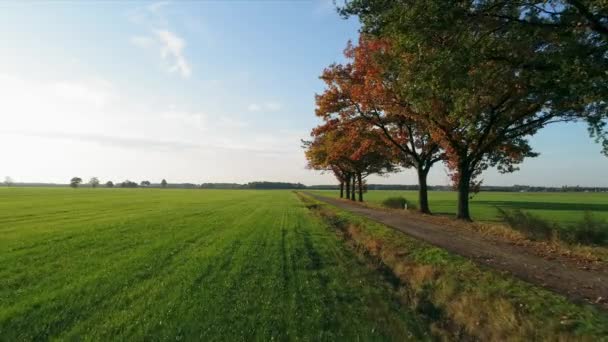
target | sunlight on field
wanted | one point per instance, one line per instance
(163, 264)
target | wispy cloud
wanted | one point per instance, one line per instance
(264, 107)
(172, 47)
(147, 144)
(169, 43)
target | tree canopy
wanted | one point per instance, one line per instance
(75, 181)
(483, 76)
(365, 89)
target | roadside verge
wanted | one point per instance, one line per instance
(460, 297)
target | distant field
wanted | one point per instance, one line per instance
(151, 264)
(559, 207)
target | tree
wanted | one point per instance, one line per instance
(8, 181)
(144, 184)
(94, 182)
(109, 184)
(317, 154)
(75, 181)
(163, 183)
(351, 151)
(364, 88)
(574, 41)
(128, 184)
(482, 87)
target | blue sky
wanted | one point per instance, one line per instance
(193, 92)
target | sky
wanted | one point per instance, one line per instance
(195, 91)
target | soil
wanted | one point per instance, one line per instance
(559, 274)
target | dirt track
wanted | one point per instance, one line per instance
(560, 275)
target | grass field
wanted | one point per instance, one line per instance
(151, 264)
(108, 264)
(558, 207)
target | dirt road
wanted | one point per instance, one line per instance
(559, 274)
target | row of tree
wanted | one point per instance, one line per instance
(465, 83)
(94, 183)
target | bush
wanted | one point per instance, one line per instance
(532, 226)
(589, 231)
(395, 202)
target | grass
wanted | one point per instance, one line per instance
(152, 264)
(463, 300)
(566, 208)
(149, 264)
(589, 231)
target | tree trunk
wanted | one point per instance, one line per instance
(354, 189)
(342, 189)
(360, 181)
(347, 186)
(423, 197)
(463, 194)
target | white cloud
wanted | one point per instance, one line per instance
(266, 107)
(170, 44)
(81, 127)
(172, 47)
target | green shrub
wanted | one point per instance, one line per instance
(590, 231)
(532, 226)
(395, 202)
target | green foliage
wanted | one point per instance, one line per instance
(398, 202)
(75, 181)
(484, 76)
(394, 202)
(589, 231)
(532, 226)
(94, 182)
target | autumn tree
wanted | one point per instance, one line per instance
(352, 150)
(317, 155)
(365, 88)
(482, 84)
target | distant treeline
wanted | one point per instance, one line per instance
(512, 188)
(253, 185)
(295, 186)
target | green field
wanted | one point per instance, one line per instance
(108, 264)
(559, 207)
